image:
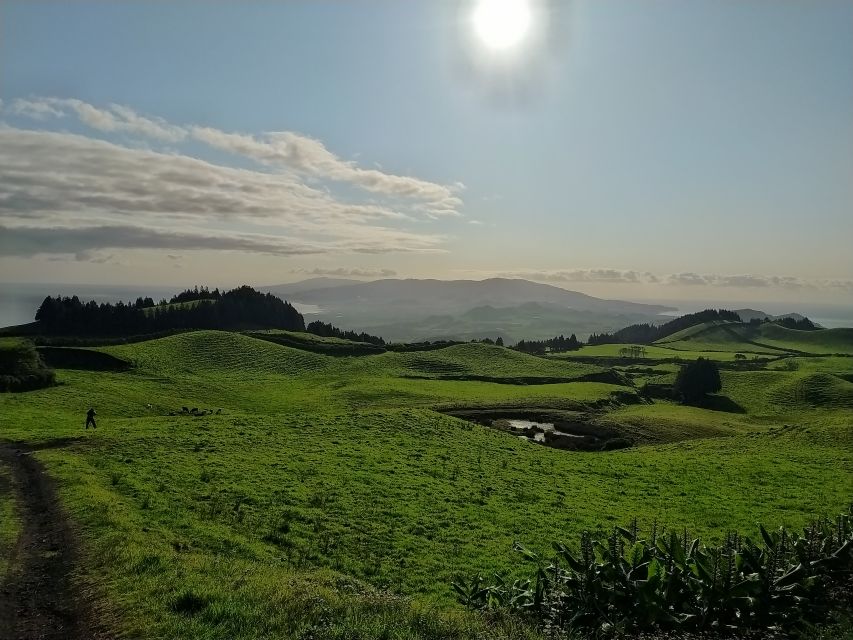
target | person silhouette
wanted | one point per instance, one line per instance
(90, 418)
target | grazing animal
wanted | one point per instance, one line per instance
(184, 410)
(218, 411)
(148, 406)
(194, 410)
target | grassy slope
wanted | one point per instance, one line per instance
(483, 361)
(765, 338)
(325, 475)
(659, 351)
(189, 304)
(823, 341)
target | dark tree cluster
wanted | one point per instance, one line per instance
(648, 333)
(327, 330)
(196, 293)
(697, 379)
(240, 308)
(804, 324)
(554, 345)
(143, 303)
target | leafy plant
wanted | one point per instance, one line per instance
(667, 581)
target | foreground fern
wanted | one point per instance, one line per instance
(668, 582)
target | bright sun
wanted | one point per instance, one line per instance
(501, 24)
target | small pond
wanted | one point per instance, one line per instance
(572, 431)
(538, 430)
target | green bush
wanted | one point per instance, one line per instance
(21, 368)
(667, 582)
(697, 379)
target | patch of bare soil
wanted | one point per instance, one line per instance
(37, 599)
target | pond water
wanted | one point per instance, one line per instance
(541, 428)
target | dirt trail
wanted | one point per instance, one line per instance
(37, 601)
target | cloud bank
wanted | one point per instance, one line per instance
(67, 193)
(623, 276)
(344, 272)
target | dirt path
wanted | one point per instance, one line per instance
(37, 601)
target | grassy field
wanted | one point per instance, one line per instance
(330, 498)
(661, 351)
(766, 338)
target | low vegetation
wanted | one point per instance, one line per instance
(787, 581)
(21, 367)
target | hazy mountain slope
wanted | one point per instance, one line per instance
(311, 284)
(444, 296)
(464, 309)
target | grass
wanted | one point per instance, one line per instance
(766, 338)
(189, 304)
(330, 498)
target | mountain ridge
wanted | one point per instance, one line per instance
(461, 294)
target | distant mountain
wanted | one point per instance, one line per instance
(311, 284)
(442, 296)
(412, 309)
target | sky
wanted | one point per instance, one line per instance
(695, 149)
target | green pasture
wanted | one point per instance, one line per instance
(329, 497)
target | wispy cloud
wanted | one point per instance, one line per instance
(283, 150)
(79, 241)
(65, 193)
(740, 281)
(690, 279)
(306, 155)
(344, 272)
(586, 275)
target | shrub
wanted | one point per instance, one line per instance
(696, 379)
(21, 368)
(668, 582)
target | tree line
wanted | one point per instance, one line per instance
(556, 344)
(240, 308)
(327, 330)
(803, 324)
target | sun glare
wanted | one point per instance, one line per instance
(501, 24)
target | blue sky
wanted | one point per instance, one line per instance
(641, 149)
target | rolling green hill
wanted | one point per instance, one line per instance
(766, 338)
(823, 341)
(816, 390)
(332, 498)
(223, 352)
(482, 361)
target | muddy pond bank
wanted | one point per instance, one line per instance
(564, 430)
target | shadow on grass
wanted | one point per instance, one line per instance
(718, 403)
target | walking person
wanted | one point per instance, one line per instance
(90, 418)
